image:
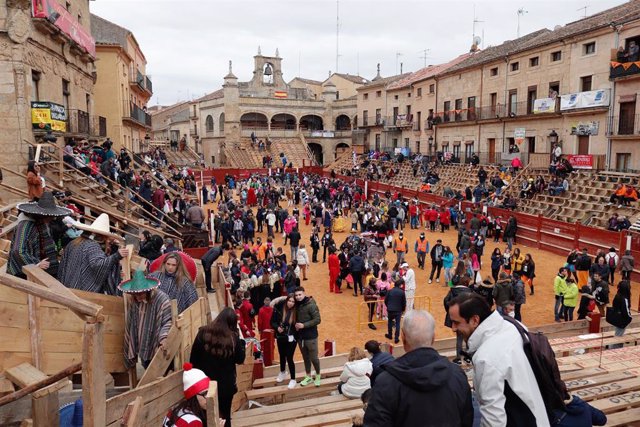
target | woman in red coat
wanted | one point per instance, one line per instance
(252, 200)
(334, 270)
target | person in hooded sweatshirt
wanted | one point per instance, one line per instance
(421, 388)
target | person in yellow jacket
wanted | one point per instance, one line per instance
(559, 289)
(400, 247)
(570, 299)
(517, 259)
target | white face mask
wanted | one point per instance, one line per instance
(512, 314)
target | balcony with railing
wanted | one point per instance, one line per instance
(77, 122)
(624, 69)
(397, 122)
(137, 114)
(624, 126)
(141, 82)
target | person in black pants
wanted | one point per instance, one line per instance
(356, 268)
(436, 260)
(208, 259)
(216, 351)
(283, 320)
(396, 302)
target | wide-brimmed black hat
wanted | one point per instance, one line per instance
(46, 206)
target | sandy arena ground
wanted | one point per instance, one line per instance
(340, 311)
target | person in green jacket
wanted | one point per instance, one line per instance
(570, 299)
(559, 288)
(307, 321)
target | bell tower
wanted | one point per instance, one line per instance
(267, 71)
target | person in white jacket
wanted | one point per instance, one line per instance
(303, 260)
(504, 382)
(409, 284)
(354, 379)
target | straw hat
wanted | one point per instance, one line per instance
(138, 283)
(99, 226)
(46, 206)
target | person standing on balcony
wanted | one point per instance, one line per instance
(634, 52)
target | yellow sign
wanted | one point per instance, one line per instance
(48, 116)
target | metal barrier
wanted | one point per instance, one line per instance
(420, 302)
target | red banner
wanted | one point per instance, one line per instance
(52, 11)
(580, 161)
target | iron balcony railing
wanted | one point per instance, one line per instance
(139, 115)
(624, 125)
(78, 122)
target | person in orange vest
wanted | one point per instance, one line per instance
(400, 247)
(421, 248)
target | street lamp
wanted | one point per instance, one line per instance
(553, 137)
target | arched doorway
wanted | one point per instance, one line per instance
(209, 123)
(253, 121)
(342, 148)
(316, 150)
(343, 122)
(311, 122)
(283, 121)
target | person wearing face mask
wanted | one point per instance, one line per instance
(175, 282)
(86, 266)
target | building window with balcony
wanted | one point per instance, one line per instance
(35, 85)
(586, 83)
(458, 107)
(589, 48)
(365, 96)
(378, 116)
(513, 101)
(419, 90)
(408, 94)
(471, 107)
(447, 108)
(365, 117)
(432, 88)
(493, 72)
(378, 93)
(209, 124)
(534, 62)
(532, 94)
(515, 66)
(377, 142)
(556, 56)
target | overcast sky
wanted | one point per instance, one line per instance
(188, 43)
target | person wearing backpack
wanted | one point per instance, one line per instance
(612, 259)
(503, 377)
(619, 314)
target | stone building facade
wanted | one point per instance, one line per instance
(322, 114)
(520, 97)
(123, 87)
(47, 55)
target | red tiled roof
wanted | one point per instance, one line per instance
(210, 96)
(427, 72)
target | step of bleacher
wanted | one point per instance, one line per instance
(283, 393)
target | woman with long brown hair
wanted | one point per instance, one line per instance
(216, 351)
(283, 321)
(175, 281)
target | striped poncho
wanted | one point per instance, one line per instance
(148, 323)
(85, 266)
(31, 244)
(185, 293)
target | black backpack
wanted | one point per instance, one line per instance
(543, 363)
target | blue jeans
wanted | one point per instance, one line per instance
(392, 317)
(557, 309)
(510, 243)
(414, 221)
(618, 333)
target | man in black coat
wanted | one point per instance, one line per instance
(510, 231)
(379, 358)
(421, 388)
(207, 262)
(294, 242)
(396, 302)
(356, 268)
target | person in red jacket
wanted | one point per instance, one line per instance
(433, 218)
(413, 215)
(334, 271)
(445, 219)
(246, 315)
(264, 316)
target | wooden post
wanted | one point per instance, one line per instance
(34, 331)
(126, 202)
(267, 346)
(161, 360)
(94, 394)
(61, 163)
(133, 413)
(213, 413)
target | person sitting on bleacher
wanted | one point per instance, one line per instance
(618, 195)
(630, 196)
(623, 223)
(354, 379)
(612, 223)
(556, 187)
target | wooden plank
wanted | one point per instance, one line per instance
(162, 359)
(617, 403)
(117, 404)
(57, 318)
(610, 389)
(213, 412)
(282, 392)
(6, 387)
(319, 420)
(33, 304)
(24, 375)
(287, 406)
(581, 383)
(325, 362)
(37, 275)
(132, 413)
(298, 413)
(626, 418)
(13, 315)
(71, 342)
(93, 385)
(45, 410)
(271, 381)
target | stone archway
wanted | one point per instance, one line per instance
(283, 121)
(311, 122)
(341, 148)
(254, 121)
(343, 122)
(317, 151)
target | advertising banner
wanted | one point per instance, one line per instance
(519, 135)
(585, 129)
(55, 13)
(48, 116)
(544, 105)
(594, 98)
(580, 161)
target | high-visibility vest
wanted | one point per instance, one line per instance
(422, 245)
(401, 245)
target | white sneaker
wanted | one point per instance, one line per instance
(292, 384)
(438, 280)
(429, 281)
(281, 376)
